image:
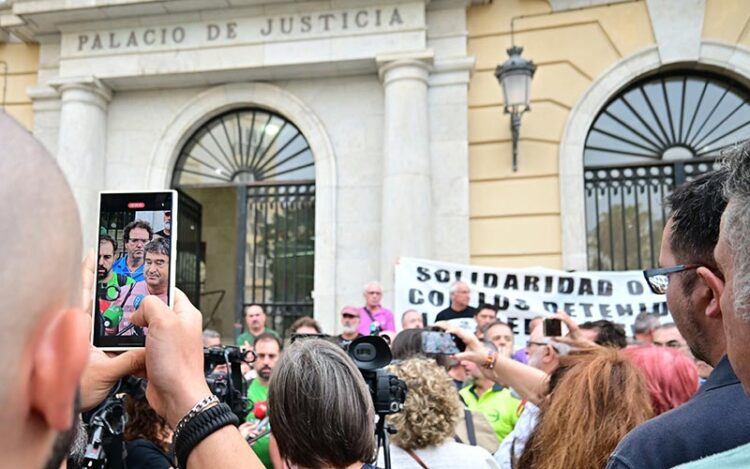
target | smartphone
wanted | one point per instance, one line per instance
(552, 327)
(441, 343)
(135, 258)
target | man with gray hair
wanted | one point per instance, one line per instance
(459, 308)
(373, 317)
(644, 326)
(211, 338)
(412, 319)
(544, 355)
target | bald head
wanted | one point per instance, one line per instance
(40, 259)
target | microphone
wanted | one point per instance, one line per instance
(112, 316)
(260, 410)
(137, 301)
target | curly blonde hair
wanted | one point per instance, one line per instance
(432, 405)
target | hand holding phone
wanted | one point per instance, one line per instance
(136, 258)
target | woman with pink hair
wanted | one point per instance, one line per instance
(672, 378)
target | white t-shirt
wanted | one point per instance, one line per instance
(518, 437)
(449, 455)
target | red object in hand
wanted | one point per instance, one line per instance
(260, 409)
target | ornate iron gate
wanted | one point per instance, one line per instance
(189, 247)
(278, 247)
(626, 214)
(656, 134)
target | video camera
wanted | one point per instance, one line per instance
(228, 385)
(371, 354)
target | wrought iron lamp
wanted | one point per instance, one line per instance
(515, 78)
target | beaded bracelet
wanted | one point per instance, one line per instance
(489, 362)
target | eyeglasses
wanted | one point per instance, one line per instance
(529, 343)
(374, 293)
(658, 279)
(348, 316)
(135, 240)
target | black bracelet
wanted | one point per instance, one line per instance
(199, 427)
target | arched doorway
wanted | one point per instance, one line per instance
(655, 134)
(249, 175)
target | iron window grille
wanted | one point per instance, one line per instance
(654, 135)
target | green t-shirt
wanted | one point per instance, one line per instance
(256, 392)
(497, 404)
(250, 339)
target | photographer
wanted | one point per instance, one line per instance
(320, 408)
(44, 332)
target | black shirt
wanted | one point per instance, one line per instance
(449, 313)
(344, 342)
(713, 421)
(145, 454)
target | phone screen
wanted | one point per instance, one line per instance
(136, 258)
(440, 343)
(552, 327)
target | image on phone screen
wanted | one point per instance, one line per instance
(135, 259)
(439, 343)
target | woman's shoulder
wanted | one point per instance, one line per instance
(470, 456)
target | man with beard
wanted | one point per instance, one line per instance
(137, 234)
(166, 232)
(715, 419)
(114, 289)
(544, 355)
(267, 350)
(44, 332)
(349, 325)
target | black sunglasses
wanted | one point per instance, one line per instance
(658, 279)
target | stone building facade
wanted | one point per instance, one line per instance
(379, 91)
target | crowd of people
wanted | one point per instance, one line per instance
(670, 395)
(141, 270)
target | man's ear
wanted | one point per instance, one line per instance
(58, 362)
(549, 354)
(715, 286)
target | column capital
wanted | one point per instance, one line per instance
(452, 71)
(43, 98)
(414, 65)
(90, 90)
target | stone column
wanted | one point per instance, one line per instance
(406, 220)
(449, 152)
(45, 102)
(82, 143)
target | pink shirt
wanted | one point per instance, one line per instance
(140, 290)
(384, 317)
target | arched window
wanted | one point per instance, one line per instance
(244, 147)
(262, 160)
(654, 135)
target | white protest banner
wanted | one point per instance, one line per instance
(522, 294)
